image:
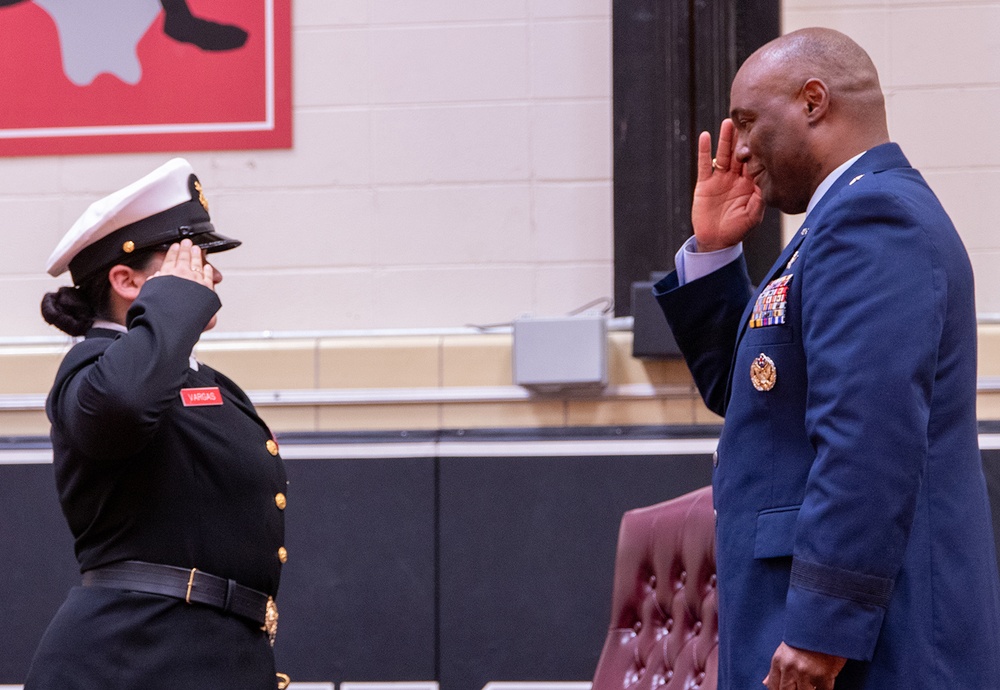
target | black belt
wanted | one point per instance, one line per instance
(191, 585)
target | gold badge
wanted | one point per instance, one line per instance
(763, 373)
(201, 195)
(271, 620)
(283, 680)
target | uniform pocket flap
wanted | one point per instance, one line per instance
(775, 532)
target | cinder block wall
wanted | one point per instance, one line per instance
(452, 161)
(417, 382)
(452, 166)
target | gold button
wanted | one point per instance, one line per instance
(128, 247)
(279, 500)
(282, 554)
(272, 447)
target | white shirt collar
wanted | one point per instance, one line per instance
(825, 185)
(112, 326)
(109, 325)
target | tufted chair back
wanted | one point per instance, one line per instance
(664, 632)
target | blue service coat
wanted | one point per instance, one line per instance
(853, 516)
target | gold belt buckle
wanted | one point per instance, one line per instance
(271, 620)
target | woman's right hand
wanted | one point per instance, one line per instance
(727, 203)
(186, 260)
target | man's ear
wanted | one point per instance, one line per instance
(816, 97)
(126, 282)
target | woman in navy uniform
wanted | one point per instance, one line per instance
(171, 484)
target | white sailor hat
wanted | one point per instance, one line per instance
(163, 207)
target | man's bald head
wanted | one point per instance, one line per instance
(803, 104)
(828, 55)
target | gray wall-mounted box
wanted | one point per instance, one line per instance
(551, 354)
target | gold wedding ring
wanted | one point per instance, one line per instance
(716, 166)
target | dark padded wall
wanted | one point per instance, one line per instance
(37, 567)
(358, 592)
(527, 559)
(462, 570)
(357, 596)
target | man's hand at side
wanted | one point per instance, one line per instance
(800, 669)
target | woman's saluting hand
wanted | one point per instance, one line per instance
(186, 260)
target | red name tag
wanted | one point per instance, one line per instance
(196, 397)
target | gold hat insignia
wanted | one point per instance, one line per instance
(201, 195)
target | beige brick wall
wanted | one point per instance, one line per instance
(423, 381)
(452, 161)
(452, 165)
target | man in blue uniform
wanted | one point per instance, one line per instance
(854, 541)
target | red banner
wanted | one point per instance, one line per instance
(109, 76)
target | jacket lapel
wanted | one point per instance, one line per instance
(777, 267)
(873, 161)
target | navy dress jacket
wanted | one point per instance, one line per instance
(143, 477)
(852, 510)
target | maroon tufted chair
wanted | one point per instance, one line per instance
(664, 632)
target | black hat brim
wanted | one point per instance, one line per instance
(210, 241)
(108, 251)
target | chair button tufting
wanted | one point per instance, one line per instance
(712, 581)
(684, 576)
(697, 627)
(637, 626)
(652, 581)
(670, 624)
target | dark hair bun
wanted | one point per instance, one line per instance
(68, 310)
